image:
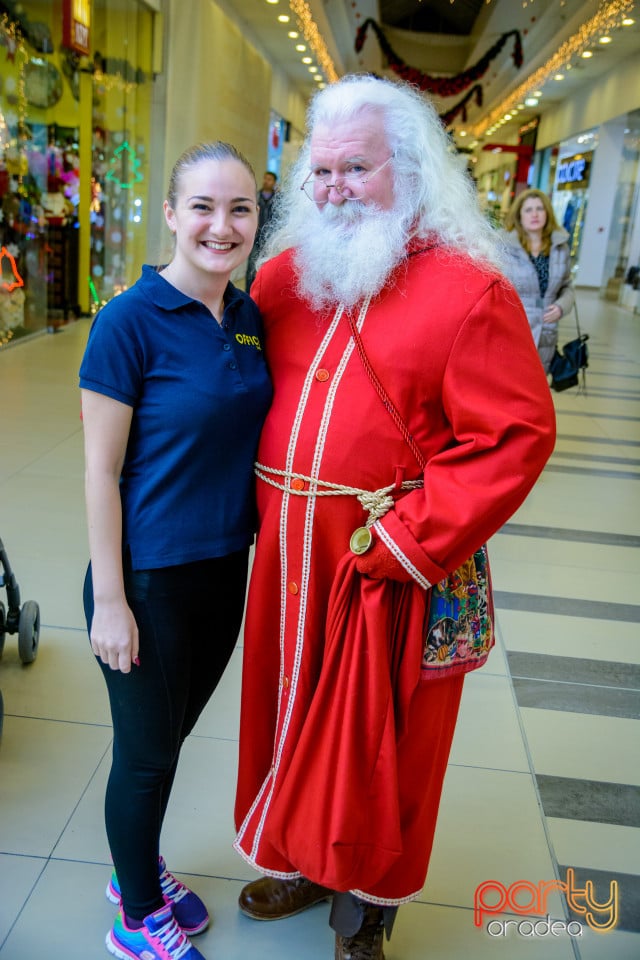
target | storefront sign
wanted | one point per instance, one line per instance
(76, 24)
(573, 172)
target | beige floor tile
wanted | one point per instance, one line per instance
(582, 745)
(586, 508)
(617, 945)
(221, 716)
(62, 683)
(18, 874)
(600, 846)
(555, 635)
(597, 577)
(489, 828)
(447, 933)
(45, 765)
(488, 731)
(510, 551)
(198, 832)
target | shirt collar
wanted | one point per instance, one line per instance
(167, 297)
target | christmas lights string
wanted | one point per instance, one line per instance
(608, 16)
(441, 86)
(313, 37)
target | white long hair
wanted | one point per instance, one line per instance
(427, 173)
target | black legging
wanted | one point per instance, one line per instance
(188, 621)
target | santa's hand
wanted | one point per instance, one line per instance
(380, 564)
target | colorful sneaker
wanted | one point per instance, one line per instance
(160, 938)
(188, 908)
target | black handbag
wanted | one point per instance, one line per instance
(565, 367)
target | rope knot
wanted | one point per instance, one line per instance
(376, 503)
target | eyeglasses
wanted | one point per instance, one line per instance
(350, 186)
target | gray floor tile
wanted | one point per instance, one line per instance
(574, 670)
(578, 698)
(593, 800)
(568, 606)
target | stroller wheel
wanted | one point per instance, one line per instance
(3, 626)
(29, 631)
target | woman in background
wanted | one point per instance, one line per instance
(538, 264)
(174, 392)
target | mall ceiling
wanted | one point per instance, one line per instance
(444, 37)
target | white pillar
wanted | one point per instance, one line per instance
(603, 183)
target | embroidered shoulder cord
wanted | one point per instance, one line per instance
(375, 502)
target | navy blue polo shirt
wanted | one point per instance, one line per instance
(199, 392)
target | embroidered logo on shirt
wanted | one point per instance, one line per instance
(249, 341)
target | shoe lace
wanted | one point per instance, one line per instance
(171, 887)
(174, 941)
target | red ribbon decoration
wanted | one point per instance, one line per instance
(441, 86)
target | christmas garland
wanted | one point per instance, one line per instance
(461, 107)
(441, 86)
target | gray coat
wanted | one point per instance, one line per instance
(522, 274)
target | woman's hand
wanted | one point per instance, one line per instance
(552, 314)
(114, 635)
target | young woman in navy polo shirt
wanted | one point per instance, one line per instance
(174, 392)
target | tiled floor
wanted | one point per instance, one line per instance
(544, 774)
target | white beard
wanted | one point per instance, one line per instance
(346, 253)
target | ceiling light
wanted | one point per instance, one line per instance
(628, 22)
(293, 34)
(307, 59)
(605, 39)
(531, 102)
(586, 54)
(507, 116)
(313, 69)
(273, 1)
(559, 76)
(607, 18)
(462, 133)
(537, 93)
(284, 18)
(300, 47)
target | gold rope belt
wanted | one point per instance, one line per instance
(376, 502)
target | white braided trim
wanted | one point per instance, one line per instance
(376, 502)
(402, 559)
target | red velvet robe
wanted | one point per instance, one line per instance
(344, 737)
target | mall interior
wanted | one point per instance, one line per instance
(542, 792)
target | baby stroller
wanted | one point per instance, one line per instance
(25, 620)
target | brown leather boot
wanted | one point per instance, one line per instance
(271, 899)
(366, 944)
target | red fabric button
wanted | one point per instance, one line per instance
(322, 375)
(297, 484)
(293, 587)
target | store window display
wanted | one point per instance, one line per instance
(67, 252)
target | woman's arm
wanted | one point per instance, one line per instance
(565, 295)
(114, 634)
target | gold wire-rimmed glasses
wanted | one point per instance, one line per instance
(350, 186)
